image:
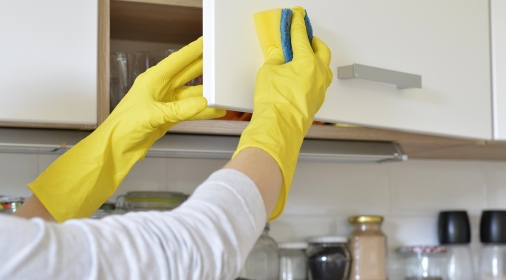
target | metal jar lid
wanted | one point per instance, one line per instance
(365, 219)
(293, 245)
(327, 239)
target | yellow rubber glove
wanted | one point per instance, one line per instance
(287, 95)
(83, 178)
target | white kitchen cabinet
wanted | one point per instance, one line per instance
(49, 69)
(446, 42)
(498, 26)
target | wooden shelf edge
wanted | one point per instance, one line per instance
(465, 152)
(184, 3)
(103, 85)
(219, 127)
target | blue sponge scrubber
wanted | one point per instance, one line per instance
(286, 41)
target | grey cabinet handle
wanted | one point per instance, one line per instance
(401, 79)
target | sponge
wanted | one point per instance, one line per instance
(273, 29)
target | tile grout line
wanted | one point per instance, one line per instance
(487, 185)
(390, 191)
(166, 172)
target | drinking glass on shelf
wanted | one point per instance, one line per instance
(127, 66)
(195, 82)
(159, 55)
(143, 60)
(122, 76)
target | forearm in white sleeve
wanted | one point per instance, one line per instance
(208, 237)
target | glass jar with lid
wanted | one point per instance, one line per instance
(263, 260)
(329, 258)
(493, 251)
(368, 248)
(292, 261)
(9, 205)
(150, 200)
(424, 262)
(105, 210)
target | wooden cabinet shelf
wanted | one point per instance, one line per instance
(156, 21)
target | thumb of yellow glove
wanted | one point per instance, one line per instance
(83, 178)
(287, 95)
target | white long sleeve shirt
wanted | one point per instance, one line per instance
(208, 237)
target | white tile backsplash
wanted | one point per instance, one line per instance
(339, 188)
(299, 227)
(16, 172)
(411, 230)
(425, 187)
(45, 161)
(148, 174)
(324, 194)
(496, 189)
(186, 174)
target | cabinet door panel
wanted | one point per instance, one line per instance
(48, 60)
(446, 42)
(498, 12)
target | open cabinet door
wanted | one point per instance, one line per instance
(445, 42)
(498, 23)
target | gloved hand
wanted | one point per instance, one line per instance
(83, 178)
(286, 98)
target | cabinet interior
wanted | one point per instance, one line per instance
(173, 23)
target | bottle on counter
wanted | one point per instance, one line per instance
(493, 239)
(368, 248)
(263, 261)
(454, 232)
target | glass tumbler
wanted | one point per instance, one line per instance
(122, 76)
(160, 55)
(263, 260)
(143, 61)
(292, 261)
